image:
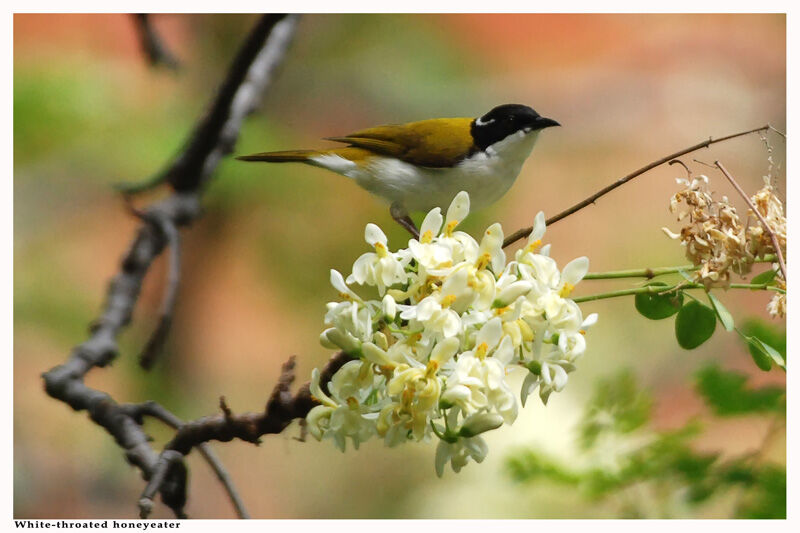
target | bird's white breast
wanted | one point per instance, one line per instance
(486, 175)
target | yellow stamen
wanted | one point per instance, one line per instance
(483, 261)
(582, 331)
(413, 339)
(380, 249)
(427, 237)
(448, 231)
(566, 290)
(501, 310)
(352, 403)
(532, 247)
(527, 332)
(431, 369)
(407, 397)
(480, 351)
(345, 296)
(448, 300)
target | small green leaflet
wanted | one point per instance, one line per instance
(765, 278)
(658, 306)
(764, 354)
(724, 315)
(694, 325)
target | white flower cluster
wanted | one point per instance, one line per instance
(431, 356)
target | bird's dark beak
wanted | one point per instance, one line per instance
(541, 123)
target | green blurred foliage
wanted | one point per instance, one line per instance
(667, 461)
(617, 405)
(726, 393)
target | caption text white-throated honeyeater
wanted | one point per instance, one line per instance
(421, 165)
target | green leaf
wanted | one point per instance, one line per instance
(760, 356)
(767, 333)
(694, 325)
(765, 278)
(764, 354)
(727, 394)
(724, 315)
(658, 306)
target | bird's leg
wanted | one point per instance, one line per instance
(400, 215)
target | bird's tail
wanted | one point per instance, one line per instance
(289, 156)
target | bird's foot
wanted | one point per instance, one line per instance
(407, 223)
(400, 216)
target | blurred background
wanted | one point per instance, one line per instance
(89, 112)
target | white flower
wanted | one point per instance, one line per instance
(478, 379)
(459, 453)
(534, 239)
(777, 305)
(439, 312)
(380, 268)
(344, 413)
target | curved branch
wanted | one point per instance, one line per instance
(215, 135)
(153, 346)
(524, 232)
(282, 408)
(157, 411)
(154, 49)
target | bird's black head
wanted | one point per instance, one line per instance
(504, 120)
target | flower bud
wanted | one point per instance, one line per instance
(389, 307)
(380, 340)
(512, 330)
(323, 340)
(344, 341)
(510, 294)
(480, 423)
(374, 354)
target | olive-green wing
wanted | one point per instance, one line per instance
(441, 142)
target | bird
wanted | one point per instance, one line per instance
(418, 166)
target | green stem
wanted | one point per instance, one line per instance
(653, 289)
(650, 273)
(640, 272)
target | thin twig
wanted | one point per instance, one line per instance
(767, 227)
(167, 462)
(281, 409)
(159, 412)
(650, 273)
(524, 232)
(777, 131)
(152, 45)
(153, 346)
(658, 289)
